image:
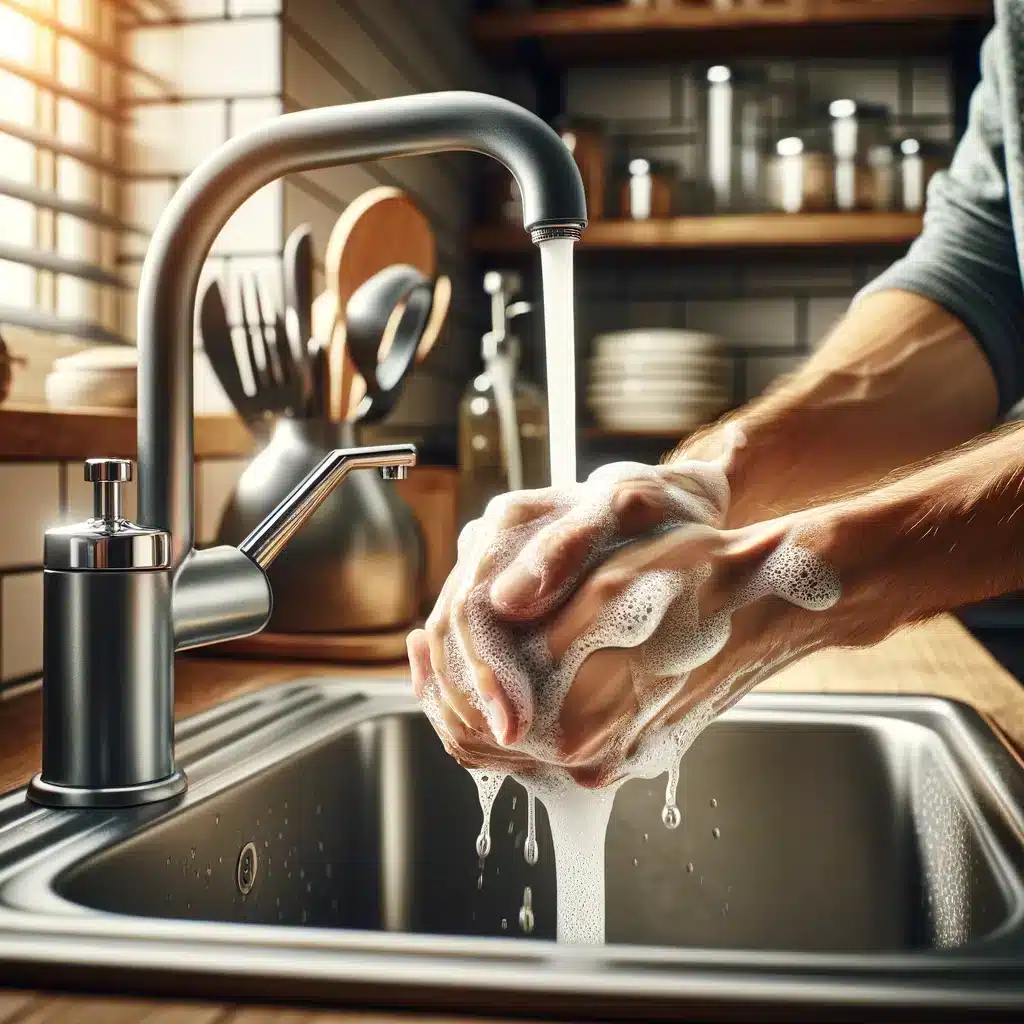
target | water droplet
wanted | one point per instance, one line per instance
(483, 844)
(280, 915)
(510, 828)
(526, 919)
(689, 868)
(209, 870)
(635, 862)
(479, 882)
(320, 846)
(504, 924)
(280, 835)
(192, 853)
(329, 870)
(646, 837)
(714, 802)
(257, 821)
(302, 872)
(670, 816)
(725, 909)
(168, 897)
(168, 861)
(716, 832)
(277, 902)
(309, 887)
(319, 808)
(188, 906)
(216, 819)
(305, 916)
(266, 843)
(286, 821)
(220, 860)
(514, 803)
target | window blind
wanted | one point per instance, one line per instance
(62, 76)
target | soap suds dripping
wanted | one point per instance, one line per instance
(657, 613)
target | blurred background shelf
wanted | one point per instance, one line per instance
(735, 231)
(796, 28)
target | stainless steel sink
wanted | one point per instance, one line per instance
(834, 852)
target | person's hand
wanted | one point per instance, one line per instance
(471, 665)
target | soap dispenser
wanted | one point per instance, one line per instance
(503, 418)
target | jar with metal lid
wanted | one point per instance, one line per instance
(801, 172)
(648, 189)
(741, 110)
(918, 160)
(862, 147)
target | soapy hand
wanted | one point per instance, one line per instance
(579, 623)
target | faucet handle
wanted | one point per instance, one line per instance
(107, 477)
(108, 470)
(267, 541)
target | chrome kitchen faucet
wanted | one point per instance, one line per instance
(120, 599)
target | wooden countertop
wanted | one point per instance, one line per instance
(38, 432)
(939, 659)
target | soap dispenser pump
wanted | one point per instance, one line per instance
(503, 422)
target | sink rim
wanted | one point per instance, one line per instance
(92, 940)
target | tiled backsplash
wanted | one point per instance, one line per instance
(41, 494)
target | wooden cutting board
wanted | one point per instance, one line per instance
(380, 228)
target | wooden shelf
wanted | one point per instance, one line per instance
(38, 432)
(740, 231)
(779, 28)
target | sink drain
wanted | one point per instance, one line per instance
(247, 867)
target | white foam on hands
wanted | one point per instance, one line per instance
(656, 615)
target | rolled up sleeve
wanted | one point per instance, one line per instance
(965, 259)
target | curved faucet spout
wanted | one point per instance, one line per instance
(553, 199)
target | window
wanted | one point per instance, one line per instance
(61, 73)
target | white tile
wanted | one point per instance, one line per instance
(256, 225)
(762, 370)
(186, 9)
(21, 647)
(214, 58)
(80, 494)
(798, 277)
(249, 8)
(31, 503)
(654, 313)
(931, 89)
(246, 114)
(746, 323)
(335, 30)
(144, 202)
(307, 81)
(875, 81)
(822, 315)
(208, 395)
(627, 94)
(172, 138)
(216, 483)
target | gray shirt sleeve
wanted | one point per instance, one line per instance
(965, 259)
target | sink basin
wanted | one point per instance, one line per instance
(834, 851)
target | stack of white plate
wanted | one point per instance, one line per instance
(658, 380)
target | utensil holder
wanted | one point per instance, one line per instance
(358, 564)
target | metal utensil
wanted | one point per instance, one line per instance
(278, 385)
(384, 321)
(220, 350)
(298, 305)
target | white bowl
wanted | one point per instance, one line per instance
(658, 341)
(104, 389)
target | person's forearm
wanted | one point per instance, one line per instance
(943, 536)
(898, 380)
